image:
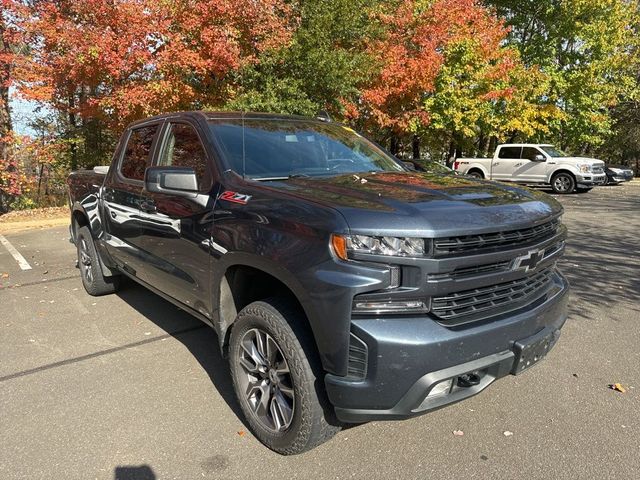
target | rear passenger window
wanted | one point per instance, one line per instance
(137, 155)
(509, 152)
(184, 149)
(530, 153)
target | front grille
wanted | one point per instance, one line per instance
(468, 305)
(470, 272)
(358, 357)
(597, 170)
(477, 243)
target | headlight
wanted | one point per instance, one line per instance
(344, 245)
(584, 168)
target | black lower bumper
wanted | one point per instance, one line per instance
(416, 365)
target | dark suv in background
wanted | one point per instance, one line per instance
(343, 287)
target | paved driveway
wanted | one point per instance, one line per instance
(129, 387)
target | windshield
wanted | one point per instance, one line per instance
(277, 149)
(553, 151)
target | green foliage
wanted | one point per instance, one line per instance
(582, 46)
(22, 203)
(323, 66)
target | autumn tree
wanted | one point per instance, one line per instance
(104, 63)
(446, 77)
(583, 47)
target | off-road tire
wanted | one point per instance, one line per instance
(93, 281)
(312, 420)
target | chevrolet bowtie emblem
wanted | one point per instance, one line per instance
(528, 261)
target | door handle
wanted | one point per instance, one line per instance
(148, 206)
(551, 163)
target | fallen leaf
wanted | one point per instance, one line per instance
(242, 433)
(507, 433)
(458, 433)
(617, 387)
(5, 275)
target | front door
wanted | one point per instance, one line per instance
(176, 230)
(122, 195)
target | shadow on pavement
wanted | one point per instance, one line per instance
(200, 339)
(602, 262)
(143, 472)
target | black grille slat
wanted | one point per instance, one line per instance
(473, 243)
(461, 307)
(358, 358)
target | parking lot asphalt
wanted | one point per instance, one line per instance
(128, 386)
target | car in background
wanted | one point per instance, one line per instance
(617, 174)
(536, 164)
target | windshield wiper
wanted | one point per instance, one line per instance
(274, 179)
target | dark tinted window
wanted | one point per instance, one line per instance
(509, 152)
(184, 149)
(530, 153)
(137, 155)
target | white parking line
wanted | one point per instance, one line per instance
(24, 265)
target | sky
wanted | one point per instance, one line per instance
(22, 112)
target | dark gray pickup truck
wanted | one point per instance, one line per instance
(343, 286)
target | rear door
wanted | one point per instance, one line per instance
(176, 230)
(122, 195)
(508, 161)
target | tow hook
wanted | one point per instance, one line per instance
(469, 379)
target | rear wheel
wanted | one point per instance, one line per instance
(94, 282)
(563, 183)
(476, 174)
(277, 380)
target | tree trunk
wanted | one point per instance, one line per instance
(415, 144)
(5, 78)
(395, 144)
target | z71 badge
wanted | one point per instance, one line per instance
(235, 197)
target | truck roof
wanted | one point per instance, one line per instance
(525, 145)
(211, 115)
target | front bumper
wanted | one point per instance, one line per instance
(591, 179)
(408, 357)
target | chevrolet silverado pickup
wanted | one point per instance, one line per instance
(536, 164)
(343, 286)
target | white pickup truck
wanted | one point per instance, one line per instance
(536, 164)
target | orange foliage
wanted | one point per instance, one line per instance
(120, 60)
(411, 54)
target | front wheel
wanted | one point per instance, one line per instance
(277, 381)
(563, 183)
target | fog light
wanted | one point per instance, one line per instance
(441, 388)
(397, 306)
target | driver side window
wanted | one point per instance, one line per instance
(182, 148)
(529, 153)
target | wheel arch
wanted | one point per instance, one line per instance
(562, 170)
(245, 279)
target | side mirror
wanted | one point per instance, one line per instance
(181, 181)
(410, 165)
(539, 158)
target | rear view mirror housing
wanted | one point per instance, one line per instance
(539, 158)
(181, 181)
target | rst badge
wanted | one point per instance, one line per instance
(235, 197)
(529, 261)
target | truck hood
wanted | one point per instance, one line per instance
(423, 204)
(580, 160)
